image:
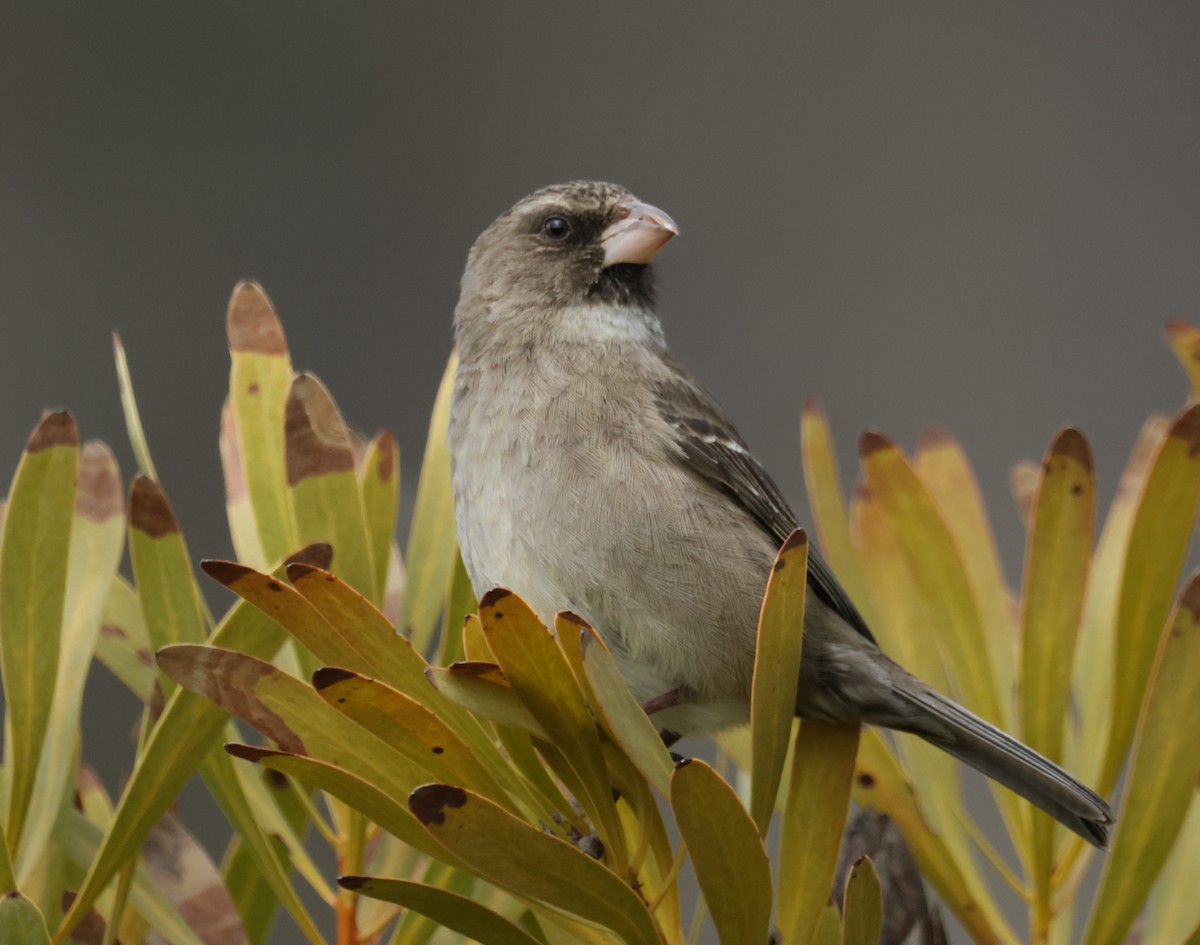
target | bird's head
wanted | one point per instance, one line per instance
(579, 244)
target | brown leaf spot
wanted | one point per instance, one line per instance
(112, 631)
(437, 749)
(1077, 489)
(54, 429)
(251, 323)
(98, 485)
(429, 802)
(328, 676)
(795, 540)
(865, 780)
(252, 389)
(1189, 599)
(872, 442)
(149, 510)
(1187, 428)
(315, 436)
(274, 586)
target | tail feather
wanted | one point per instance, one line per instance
(950, 727)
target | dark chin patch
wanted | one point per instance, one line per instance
(624, 284)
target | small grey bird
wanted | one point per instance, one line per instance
(593, 474)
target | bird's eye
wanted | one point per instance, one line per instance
(556, 228)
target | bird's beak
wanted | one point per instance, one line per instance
(637, 235)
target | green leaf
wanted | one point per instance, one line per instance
(728, 855)
(323, 484)
(515, 856)
(813, 818)
(34, 549)
(432, 543)
(1158, 543)
(448, 909)
(97, 537)
(259, 379)
(379, 482)
(123, 645)
(862, 906)
(20, 921)
(133, 418)
(1162, 776)
(243, 529)
(777, 674)
(1173, 909)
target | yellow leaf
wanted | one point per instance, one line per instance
(862, 906)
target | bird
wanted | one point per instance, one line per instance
(593, 474)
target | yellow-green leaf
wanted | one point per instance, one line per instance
(1056, 570)
(1173, 909)
(483, 689)
(432, 541)
(520, 858)
(323, 484)
(1162, 775)
(379, 481)
(133, 418)
(34, 549)
(20, 921)
(186, 730)
(1158, 542)
(862, 906)
(243, 528)
(538, 672)
(829, 927)
(627, 723)
(259, 379)
(728, 855)
(813, 817)
(97, 537)
(455, 912)
(777, 674)
(828, 506)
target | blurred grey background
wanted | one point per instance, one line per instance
(973, 216)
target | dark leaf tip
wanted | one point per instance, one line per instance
(224, 572)
(317, 555)
(1071, 444)
(429, 802)
(872, 442)
(251, 323)
(353, 882)
(494, 596)
(247, 752)
(149, 510)
(315, 435)
(795, 540)
(571, 617)
(1187, 428)
(54, 429)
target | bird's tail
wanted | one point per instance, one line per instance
(950, 727)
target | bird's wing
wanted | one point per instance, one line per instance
(711, 447)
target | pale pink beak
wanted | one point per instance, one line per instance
(638, 235)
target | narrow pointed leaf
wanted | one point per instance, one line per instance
(862, 909)
(455, 912)
(133, 417)
(379, 482)
(777, 674)
(97, 537)
(813, 817)
(259, 378)
(432, 542)
(629, 725)
(123, 645)
(727, 853)
(34, 548)
(1158, 542)
(1056, 569)
(460, 604)
(829, 927)
(1173, 909)
(323, 484)
(1162, 776)
(944, 470)
(515, 856)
